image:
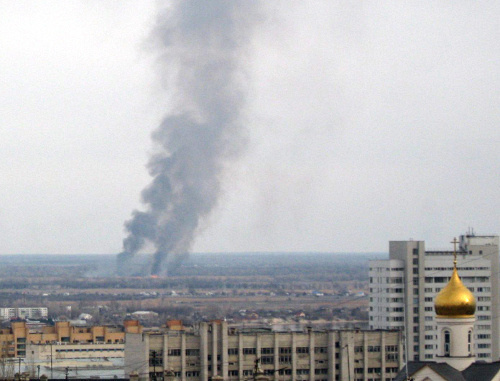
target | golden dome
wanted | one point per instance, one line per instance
(455, 300)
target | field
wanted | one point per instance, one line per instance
(235, 286)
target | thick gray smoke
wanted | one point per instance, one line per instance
(201, 44)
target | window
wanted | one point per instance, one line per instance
(267, 351)
(469, 341)
(174, 352)
(391, 356)
(267, 360)
(446, 343)
(321, 350)
(232, 373)
(249, 351)
(155, 358)
(285, 359)
(483, 327)
(192, 352)
(232, 351)
(285, 350)
(302, 349)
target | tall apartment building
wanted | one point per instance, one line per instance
(403, 288)
(216, 350)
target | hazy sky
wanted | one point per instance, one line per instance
(365, 122)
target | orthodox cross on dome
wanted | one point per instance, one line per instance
(454, 242)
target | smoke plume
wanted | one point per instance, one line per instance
(200, 43)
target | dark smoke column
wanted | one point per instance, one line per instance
(201, 44)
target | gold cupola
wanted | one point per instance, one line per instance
(455, 300)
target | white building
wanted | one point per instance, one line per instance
(24, 313)
(403, 288)
(455, 307)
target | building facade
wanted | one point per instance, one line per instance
(24, 313)
(76, 355)
(13, 341)
(215, 349)
(403, 288)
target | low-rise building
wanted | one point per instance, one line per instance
(217, 349)
(13, 341)
(81, 355)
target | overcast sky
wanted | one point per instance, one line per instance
(365, 122)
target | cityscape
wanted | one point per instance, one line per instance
(318, 317)
(233, 190)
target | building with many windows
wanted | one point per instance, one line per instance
(455, 307)
(403, 288)
(216, 349)
(14, 340)
(24, 313)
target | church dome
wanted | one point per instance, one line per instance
(455, 300)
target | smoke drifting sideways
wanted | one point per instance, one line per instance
(201, 44)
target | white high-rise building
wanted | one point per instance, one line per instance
(24, 313)
(403, 288)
